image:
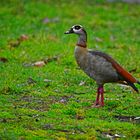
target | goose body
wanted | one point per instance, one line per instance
(95, 66)
(99, 66)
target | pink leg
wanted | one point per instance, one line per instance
(97, 99)
(100, 97)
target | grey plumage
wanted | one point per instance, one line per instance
(95, 66)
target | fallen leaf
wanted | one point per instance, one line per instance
(63, 101)
(23, 37)
(51, 20)
(39, 63)
(47, 80)
(112, 136)
(133, 119)
(46, 20)
(3, 59)
(17, 42)
(82, 83)
(133, 70)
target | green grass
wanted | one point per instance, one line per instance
(60, 109)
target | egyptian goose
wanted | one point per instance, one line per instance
(99, 66)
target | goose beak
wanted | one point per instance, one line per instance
(69, 31)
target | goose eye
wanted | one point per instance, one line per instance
(77, 27)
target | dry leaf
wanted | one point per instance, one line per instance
(47, 80)
(133, 70)
(39, 63)
(4, 60)
(17, 42)
(82, 83)
(50, 20)
(23, 37)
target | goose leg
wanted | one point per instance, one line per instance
(100, 97)
(101, 90)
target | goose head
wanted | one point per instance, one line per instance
(76, 29)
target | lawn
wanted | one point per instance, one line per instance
(43, 93)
